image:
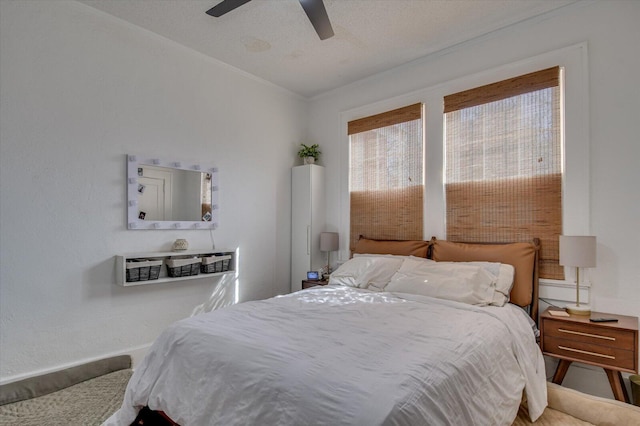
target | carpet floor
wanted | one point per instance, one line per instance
(92, 401)
(85, 404)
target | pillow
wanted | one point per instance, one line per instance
(368, 272)
(414, 264)
(403, 248)
(397, 256)
(446, 280)
(520, 255)
(502, 276)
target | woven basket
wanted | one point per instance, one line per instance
(183, 267)
(213, 264)
(143, 270)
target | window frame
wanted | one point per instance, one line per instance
(483, 164)
(387, 119)
(575, 141)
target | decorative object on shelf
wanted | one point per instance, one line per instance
(579, 252)
(329, 241)
(180, 244)
(309, 154)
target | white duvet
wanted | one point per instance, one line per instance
(342, 356)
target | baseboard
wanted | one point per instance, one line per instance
(45, 384)
(136, 353)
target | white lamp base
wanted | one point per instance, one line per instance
(579, 310)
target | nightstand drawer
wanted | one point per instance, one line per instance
(601, 355)
(590, 334)
(312, 283)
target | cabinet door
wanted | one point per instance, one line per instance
(300, 225)
(307, 221)
(318, 221)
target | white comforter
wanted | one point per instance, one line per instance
(342, 356)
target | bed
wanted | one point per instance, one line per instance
(394, 339)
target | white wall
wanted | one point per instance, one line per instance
(81, 89)
(611, 32)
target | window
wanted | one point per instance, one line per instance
(386, 175)
(503, 165)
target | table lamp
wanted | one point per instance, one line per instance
(329, 243)
(579, 252)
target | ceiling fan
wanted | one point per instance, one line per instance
(314, 9)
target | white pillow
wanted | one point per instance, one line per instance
(444, 280)
(369, 272)
(502, 274)
(415, 263)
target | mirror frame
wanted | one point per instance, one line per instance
(135, 161)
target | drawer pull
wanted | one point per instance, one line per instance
(579, 333)
(587, 352)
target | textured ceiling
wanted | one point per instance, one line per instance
(273, 39)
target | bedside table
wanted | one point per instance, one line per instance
(610, 345)
(313, 283)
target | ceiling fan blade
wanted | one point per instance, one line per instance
(318, 16)
(225, 6)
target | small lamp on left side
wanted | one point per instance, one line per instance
(329, 241)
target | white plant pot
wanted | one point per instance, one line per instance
(309, 160)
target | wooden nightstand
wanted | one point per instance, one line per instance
(313, 283)
(610, 345)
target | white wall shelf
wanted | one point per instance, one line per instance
(121, 264)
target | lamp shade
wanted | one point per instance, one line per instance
(578, 251)
(329, 241)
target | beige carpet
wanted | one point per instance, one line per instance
(567, 407)
(85, 404)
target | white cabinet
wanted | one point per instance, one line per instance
(307, 221)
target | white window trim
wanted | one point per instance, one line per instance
(576, 160)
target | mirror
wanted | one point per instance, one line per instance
(171, 195)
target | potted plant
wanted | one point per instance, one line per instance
(309, 154)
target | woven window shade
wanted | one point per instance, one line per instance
(503, 164)
(386, 175)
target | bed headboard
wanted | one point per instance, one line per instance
(416, 248)
(522, 256)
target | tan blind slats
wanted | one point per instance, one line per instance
(387, 215)
(503, 89)
(385, 119)
(386, 175)
(504, 166)
(517, 210)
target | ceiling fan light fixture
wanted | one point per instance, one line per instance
(314, 9)
(225, 6)
(317, 14)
